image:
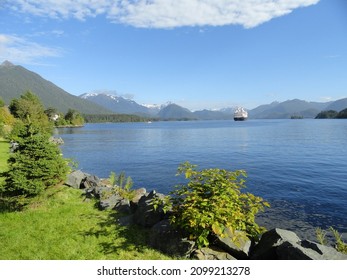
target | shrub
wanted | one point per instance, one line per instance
(212, 202)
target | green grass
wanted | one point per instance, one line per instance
(4, 154)
(61, 225)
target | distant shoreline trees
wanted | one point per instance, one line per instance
(331, 114)
(113, 118)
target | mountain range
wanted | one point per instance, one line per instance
(275, 110)
(16, 80)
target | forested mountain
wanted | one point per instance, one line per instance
(174, 111)
(16, 80)
(287, 109)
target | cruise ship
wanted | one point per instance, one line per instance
(240, 114)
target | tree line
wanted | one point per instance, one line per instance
(331, 114)
(103, 118)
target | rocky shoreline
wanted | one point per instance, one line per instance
(275, 244)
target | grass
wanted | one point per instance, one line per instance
(61, 225)
(4, 154)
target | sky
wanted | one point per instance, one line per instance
(200, 54)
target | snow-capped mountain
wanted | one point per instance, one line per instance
(119, 104)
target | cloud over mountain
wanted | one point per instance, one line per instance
(164, 13)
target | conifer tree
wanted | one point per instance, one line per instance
(35, 165)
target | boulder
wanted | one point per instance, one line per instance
(171, 241)
(279, 244)
(269, 242)
(110, 202)
(145, 214)
(134, 202)
(101, 192)
(308, 250)
(138, 194)
(123, 206)
(75, 178)
(90, 182)
(235, 243)
(212, 253)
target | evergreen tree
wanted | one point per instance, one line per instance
(35, 165)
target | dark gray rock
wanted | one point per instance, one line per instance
(110, 202)
(75, 178)
(145, 214)
(101, 192)
(123, 206)
(139, 193)
(212, 253)
(235, 243)
(169, 240)
(308, 250)
(269, 242)
(90, 182)
(279, 244)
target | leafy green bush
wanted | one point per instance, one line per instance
(212, 202)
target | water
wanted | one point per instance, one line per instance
(299, 166)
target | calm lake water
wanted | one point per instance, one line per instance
(299, 166)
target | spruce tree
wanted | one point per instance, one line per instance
(35, 165)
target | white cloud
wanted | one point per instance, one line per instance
(164, 13)
(21, 50)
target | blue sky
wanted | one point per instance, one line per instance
(197, 53)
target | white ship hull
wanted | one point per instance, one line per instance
(240, 114)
